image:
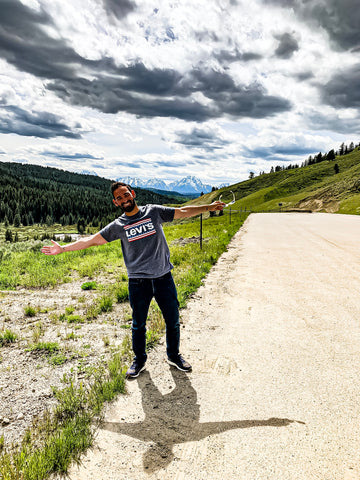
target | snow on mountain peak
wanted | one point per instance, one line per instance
(186, 185)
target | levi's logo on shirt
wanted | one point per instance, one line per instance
(138, 230)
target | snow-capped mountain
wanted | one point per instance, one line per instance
(189, 184)
(88, 172)
(152, 183)
(186, 185)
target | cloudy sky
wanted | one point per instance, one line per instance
(211, 88)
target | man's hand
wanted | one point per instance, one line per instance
(53, 249)
(217, 205)
(80, 244)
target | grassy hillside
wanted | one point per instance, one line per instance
(314, 187)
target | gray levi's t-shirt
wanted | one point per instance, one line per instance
(146, 252)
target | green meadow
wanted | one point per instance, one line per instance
(23, 264)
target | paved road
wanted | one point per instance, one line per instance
(274, 339)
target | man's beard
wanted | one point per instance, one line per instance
(128, 208)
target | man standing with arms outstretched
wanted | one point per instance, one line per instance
(147, 259)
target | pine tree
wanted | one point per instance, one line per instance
(81, 226)
(8, 236)
(330, 155)
(17, 220)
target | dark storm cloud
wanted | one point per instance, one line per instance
(342, 91)
(301, 77)
(226, 57)
(107, 95)
(25, 44)
(134, 89)
(269, 153)
(118, 8)
(287, 46)
(341, 19)
(37, 124)
(168, 94)
(98, 165)
(319, 121)
(206, 36)
(69, 156)
(199, 138)
(236, 100)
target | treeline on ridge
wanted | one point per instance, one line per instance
(318, 158)
(31, 194)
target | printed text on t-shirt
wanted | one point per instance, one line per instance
(138, 230)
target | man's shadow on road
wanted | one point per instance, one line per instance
(173, 418)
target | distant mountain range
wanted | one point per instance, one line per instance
(189, 185)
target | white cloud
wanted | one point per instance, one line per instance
(209, 88)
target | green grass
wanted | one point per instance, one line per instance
(122, 293)
(89, 285)
(7, 336)
(57, 359)
(46, 347)
(105, 303)
(29, 311)
(32, 269)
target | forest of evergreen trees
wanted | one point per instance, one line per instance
(32, 194)
(320, 157)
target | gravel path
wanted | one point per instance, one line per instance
(274, 340)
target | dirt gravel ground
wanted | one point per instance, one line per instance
(274, 340)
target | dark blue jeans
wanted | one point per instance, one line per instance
(141, 292)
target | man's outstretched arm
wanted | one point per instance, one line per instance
(192, 210)
(80, 244)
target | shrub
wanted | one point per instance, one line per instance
(105, 304)
(57, 359)
(122, 293)
(74, 319)
(29, 311)
(89, 286)
(48, 347)
(7, 337)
